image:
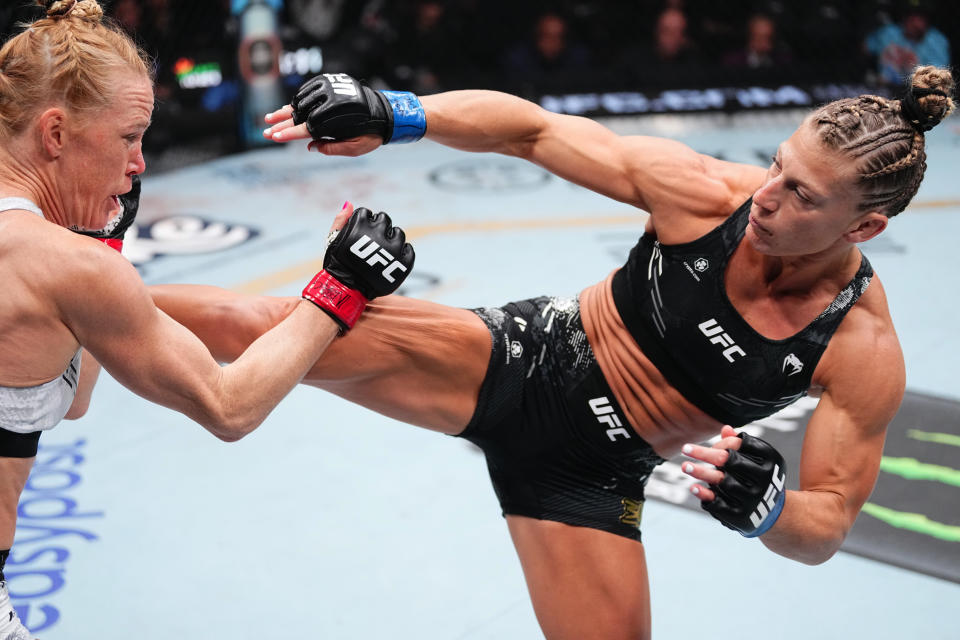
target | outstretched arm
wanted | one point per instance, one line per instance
(164, 362)
(647, 172)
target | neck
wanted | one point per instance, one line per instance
(23, 177)
(783, 275)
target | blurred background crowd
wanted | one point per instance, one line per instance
(209, 53)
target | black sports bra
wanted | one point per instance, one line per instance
(673, 301)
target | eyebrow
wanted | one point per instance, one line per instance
(811, 192)
(140, 125)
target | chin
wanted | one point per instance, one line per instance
(756, 241)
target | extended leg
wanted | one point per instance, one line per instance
(412, 360)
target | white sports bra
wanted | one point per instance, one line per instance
(29, 409)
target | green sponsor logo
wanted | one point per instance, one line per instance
(938, 438)
(913, 469)
(916, 522)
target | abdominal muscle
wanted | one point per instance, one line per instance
(656, 411)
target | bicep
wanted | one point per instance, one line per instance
(143, 348)
(639, 170)
(658, 175)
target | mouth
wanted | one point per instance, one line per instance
(115, 206)
(758, 227)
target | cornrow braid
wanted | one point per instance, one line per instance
(885, 138)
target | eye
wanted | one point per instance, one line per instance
(775, 164)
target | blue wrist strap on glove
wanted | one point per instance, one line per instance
(409, 119)
(771, 518)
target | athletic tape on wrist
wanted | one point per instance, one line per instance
(409, 118)
(343, 303)
(771, 518)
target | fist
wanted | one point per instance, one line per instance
(335, 106)
(369, 254)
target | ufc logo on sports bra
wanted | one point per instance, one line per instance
(373, 257)
(715, 332)
(607, 415)
(342, 84)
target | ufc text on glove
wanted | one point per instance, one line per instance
(750, 497)
(337, 107)
(368, 258)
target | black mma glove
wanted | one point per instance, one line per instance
(750, 496)
(112, 234)
(368, 257)
(336, 107)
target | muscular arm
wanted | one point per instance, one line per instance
(864, 385)
(225, 321)
(655, 174)
(149, 353)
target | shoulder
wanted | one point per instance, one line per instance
(863, 363)
(698, 191)
(68, 266)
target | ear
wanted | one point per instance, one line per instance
(52, 128)
(867, 226)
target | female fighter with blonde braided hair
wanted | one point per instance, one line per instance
(76, 97)
(745, 292)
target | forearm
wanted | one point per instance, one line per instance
(248, 389)
(574, 148)
(487, 121)
(810, 529)
(225, 321)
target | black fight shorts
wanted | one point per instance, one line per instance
(556, 441)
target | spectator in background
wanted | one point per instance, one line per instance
(671, 43)
(129, 14)
(550, 59)
(899, 48)
(670, 60)
(763, 48)
(318, 19)
(763, 58)
(426, 55)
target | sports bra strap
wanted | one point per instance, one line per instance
(8, 204)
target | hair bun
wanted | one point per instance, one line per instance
(82, 9)
(928, 99)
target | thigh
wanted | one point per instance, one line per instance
(413, 360)
(584, 583)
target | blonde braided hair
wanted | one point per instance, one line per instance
(885, 138)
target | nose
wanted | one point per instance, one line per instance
(136, 164)
(766, 196)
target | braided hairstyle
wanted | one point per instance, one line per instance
(884, 138)
(69, 58)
